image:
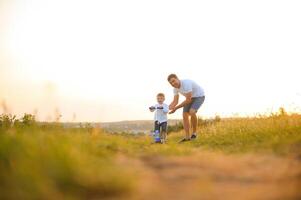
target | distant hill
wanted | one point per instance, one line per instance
(134, 126)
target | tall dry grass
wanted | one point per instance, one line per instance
(48, 161)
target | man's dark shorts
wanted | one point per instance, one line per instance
(195, 104)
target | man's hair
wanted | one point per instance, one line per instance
(170, 76)
(160, 95)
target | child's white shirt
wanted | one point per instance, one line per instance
(161, 114)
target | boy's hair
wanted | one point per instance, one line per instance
(170, 76)
(160, 95)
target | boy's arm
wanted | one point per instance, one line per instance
(185, 102)
(175, 101)
(152, 108)
(165, 108)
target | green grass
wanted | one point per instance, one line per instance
(280, 134)
(34, 165)
(52, 162)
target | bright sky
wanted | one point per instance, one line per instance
(107, 60)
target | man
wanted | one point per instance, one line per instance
(195, 97)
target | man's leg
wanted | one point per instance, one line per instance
(194, 120)
(195, 105)
(186, 124)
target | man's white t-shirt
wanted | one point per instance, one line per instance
(189, 86)
(161, 114)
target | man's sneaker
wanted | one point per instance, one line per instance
(184, 140)
(193, 136)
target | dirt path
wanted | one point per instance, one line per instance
(218, 176)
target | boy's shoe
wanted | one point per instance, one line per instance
(156, 142)
(193, 136)
(184, 140)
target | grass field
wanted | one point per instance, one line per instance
(239, 158)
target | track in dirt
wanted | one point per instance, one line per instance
(218, 176)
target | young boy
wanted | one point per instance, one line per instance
(161, 109)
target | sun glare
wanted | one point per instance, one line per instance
(105, 54)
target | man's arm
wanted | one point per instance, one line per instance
(184, 103)
(175, 102)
